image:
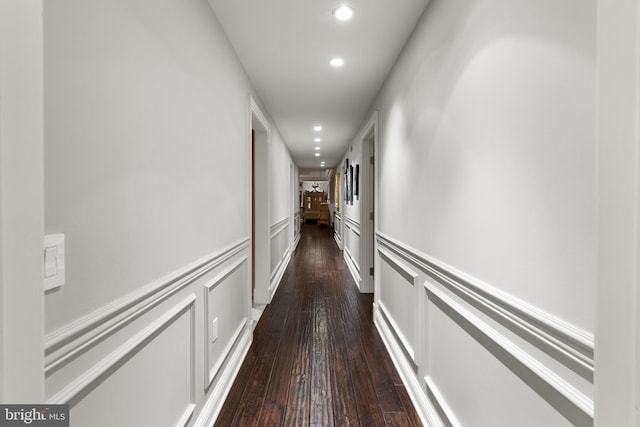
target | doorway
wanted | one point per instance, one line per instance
(259, 222)
(368, 207)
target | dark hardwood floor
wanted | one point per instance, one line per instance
(317, 359)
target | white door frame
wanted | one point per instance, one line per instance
(368, 198)
(262, 272)
(21, 202)
(618, 121)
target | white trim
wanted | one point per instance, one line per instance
(262, 292)
(22, 193)
(410, 277)
(186, 415)
(550, 333)
(235, 337)
(66, 343)
(440, 404)
(338, 241)
(296, 231)
(255, 109)
(337, 229)
(571, 395)
(276, 275)
(368, 199)
(352, 223)
(427, 413)
(279, 226)
(617, 373)
(408, 274)
(218, 394)
(349, 257)
(397, 331)
(212, 371)
(71, 394)
(353, 269)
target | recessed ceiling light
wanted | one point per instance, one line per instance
(337, 62)
(343, 13)
(317, 154)
(317, 140)
(317, 148)
(317, 128)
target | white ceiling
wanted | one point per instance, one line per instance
(286, 46)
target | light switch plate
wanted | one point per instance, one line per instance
(54, 271)
(214, 330)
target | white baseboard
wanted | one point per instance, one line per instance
(353, 269)
(425, 409)
(279, 273)
(226, 377)
(338, 240)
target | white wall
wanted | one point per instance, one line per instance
(145, 132)
(147, 161)
(487, 212)
(617, 344)
(21, 202)
(280, 178)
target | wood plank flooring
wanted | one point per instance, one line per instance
(317, 359)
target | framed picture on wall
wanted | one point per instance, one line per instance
(337, 191)
(346, 181)
(351, 184)
(356, 179)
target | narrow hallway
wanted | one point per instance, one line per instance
(316, 358)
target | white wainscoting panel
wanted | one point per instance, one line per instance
(337, 229)
(71, 341)
(280, 253)
(499, 377)
(472, 332)
(424, 406)
(106, 396)
(137, 356)
(222, 296)
(398, 300)
(296, 229)
(224, 381)
(447, 416)
(352, 247)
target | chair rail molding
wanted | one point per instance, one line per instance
(68, 342)
(76, 390)
(548, 355)
(212, 371)
(567, 343)
(574, 405)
